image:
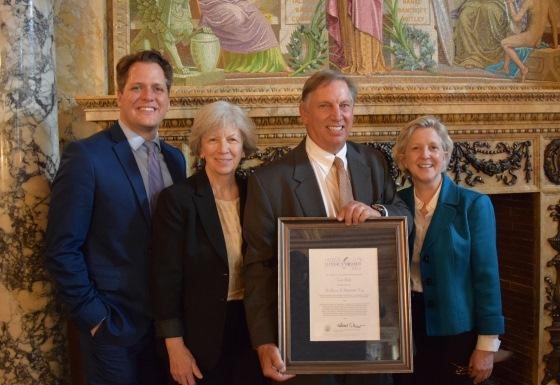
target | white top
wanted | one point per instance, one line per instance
(228, 211)
(422, 218)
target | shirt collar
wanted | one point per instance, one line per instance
(431, 205)
(135, 140)
(323, 158)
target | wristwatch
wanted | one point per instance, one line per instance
(380, 209)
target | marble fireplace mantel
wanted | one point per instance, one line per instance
(506, 137)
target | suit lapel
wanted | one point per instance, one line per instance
(242, 183)
(175, 165)
(208, 214)
(445, 212)
(407, 195)
(306, 189)
(360, 177)
(126, 158)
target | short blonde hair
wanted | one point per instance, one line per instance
(426, 121)
(219, 114)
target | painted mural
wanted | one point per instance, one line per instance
(208, 41)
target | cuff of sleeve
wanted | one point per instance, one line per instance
(169, 328)
(92, 315)
(488, 343)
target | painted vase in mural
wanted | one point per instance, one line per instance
(205, 50)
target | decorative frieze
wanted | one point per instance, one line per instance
(468, 158)
(551, 161)
(552, 304)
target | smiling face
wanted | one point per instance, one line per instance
(144, 100)
(327, 114)
(222, 150)
(424, 157)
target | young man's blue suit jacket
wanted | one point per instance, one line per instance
(459, 263)
(99, 232)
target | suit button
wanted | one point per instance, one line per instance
(426, 258)
(428, 282)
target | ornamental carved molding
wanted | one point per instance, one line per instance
(512, 115)
(503, 161)
(551, 161)
(409, 92)
(471, 162)
(552, 304)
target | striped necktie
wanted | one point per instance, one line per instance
(155, 177)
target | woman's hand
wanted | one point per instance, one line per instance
(182, 364)
(481, 365)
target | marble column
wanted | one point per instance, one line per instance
(32, 342)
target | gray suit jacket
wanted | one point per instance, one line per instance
(288, 188)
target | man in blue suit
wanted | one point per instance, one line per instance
(98, 233)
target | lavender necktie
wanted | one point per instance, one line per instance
(155, 177)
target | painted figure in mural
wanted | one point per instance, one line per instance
(165, 24)
(99, 227)
(246, 37)
(481, 26)
(356, 28)
(538, 12)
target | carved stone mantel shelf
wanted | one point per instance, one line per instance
(384, 98)
(474, 110)
(507, 140)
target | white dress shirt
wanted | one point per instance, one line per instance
(321, 162)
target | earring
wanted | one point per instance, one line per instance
(199, 163)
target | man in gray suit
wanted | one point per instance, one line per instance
(297, 186)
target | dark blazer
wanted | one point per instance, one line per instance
(190, 273)
(459, 263)
(98, 234)
(289, 188)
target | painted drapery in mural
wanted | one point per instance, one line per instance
(211, 40)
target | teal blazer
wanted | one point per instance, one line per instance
(459, 263)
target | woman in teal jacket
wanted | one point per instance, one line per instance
(456, 304)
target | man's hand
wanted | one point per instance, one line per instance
(356, 212)
(182, 364)
(271, 363)
(480, 365)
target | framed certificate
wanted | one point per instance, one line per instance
(344, 303)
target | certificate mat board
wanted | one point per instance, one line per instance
(343, 296)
